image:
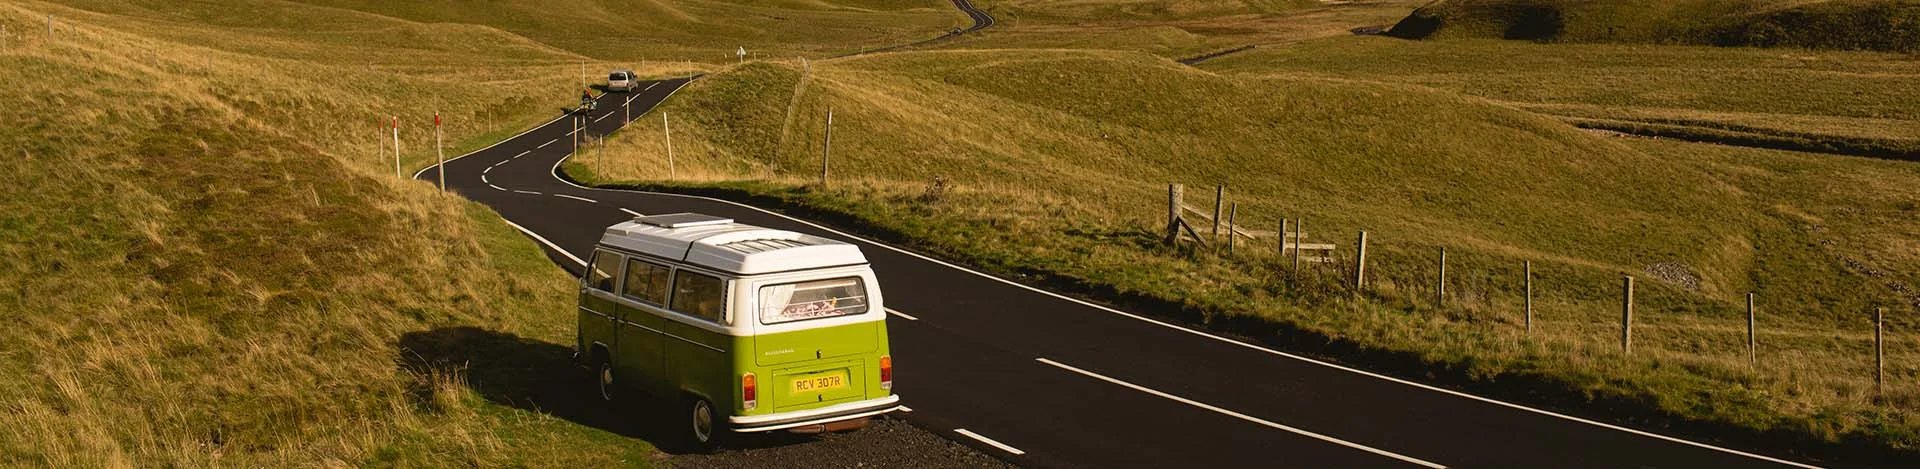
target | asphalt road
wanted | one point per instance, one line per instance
(1040, 379)
(1067, 383)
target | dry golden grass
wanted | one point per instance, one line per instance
(208, 264)
(1056, 160)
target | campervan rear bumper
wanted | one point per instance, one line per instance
(823, 415)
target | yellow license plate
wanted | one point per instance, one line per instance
(819, 383)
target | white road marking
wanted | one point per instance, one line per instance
(1241, 416)
(582, 199)
(604, 117)
(526, 192)
(498, 188)
(554, 172)
(549, 142)
(630, 212)
(483, 172)
(483, 178)
(902, 315)
(416, 174)
(524, 153)
(989, 441)
(650, 87)
(543, 240)
(906, 409)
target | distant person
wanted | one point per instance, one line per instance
(586, 98)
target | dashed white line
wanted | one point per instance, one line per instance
(1241, 416)
(650, 87)
(483, 172)
(526, 192)
(555, 173)
(604, 117)
(582, 199)
(906, 409)
(902, 315)
(549, 142)
(630, 212)
(497, 188)
(989, 441)
(524, 153)
(483, 178)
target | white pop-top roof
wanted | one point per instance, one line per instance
(720, 244)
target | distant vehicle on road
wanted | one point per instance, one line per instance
(746, 329)
(622, 80)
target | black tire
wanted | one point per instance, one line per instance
(705, 431)
(603, 376)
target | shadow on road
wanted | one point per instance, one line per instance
(538, 376)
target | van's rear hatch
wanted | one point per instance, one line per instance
(813, 367)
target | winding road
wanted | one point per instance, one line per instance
(1042, 379)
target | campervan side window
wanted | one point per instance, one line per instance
(817, 299)
(647, 282)
(699, 295)
(600, 275)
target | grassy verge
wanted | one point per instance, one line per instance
(1028, 164)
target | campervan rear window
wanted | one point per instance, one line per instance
(816, 299)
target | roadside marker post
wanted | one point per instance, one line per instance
(1626, 318)
(49, 26)
(1879, 349)
(1440, 289)
(1359, 263)
(826, 149)
(1528, 286)
(440, 149)
(1752, 341)
(671, 172)
(396, 149)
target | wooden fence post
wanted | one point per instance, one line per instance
(1528, 286)
(1283, 239)
(1174, 193)
(1219, 202)
(1440, 290)
(1626, 318)
(1298, 228)
(1360, 264)
(1752, 342)
(1232, 225)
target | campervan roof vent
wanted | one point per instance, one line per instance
(682, 220)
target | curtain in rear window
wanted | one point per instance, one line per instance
(812, 300)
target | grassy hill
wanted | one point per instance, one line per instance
(217, 259)
(1857, 103)
(1035, 164)
(1172, 28)
(1885, 25)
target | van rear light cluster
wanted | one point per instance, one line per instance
(749, 391)
(886, 372)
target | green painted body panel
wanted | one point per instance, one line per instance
(669, 355)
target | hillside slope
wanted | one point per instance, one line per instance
(1884, 25)
(210, 264)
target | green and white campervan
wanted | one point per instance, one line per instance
(748, 329)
